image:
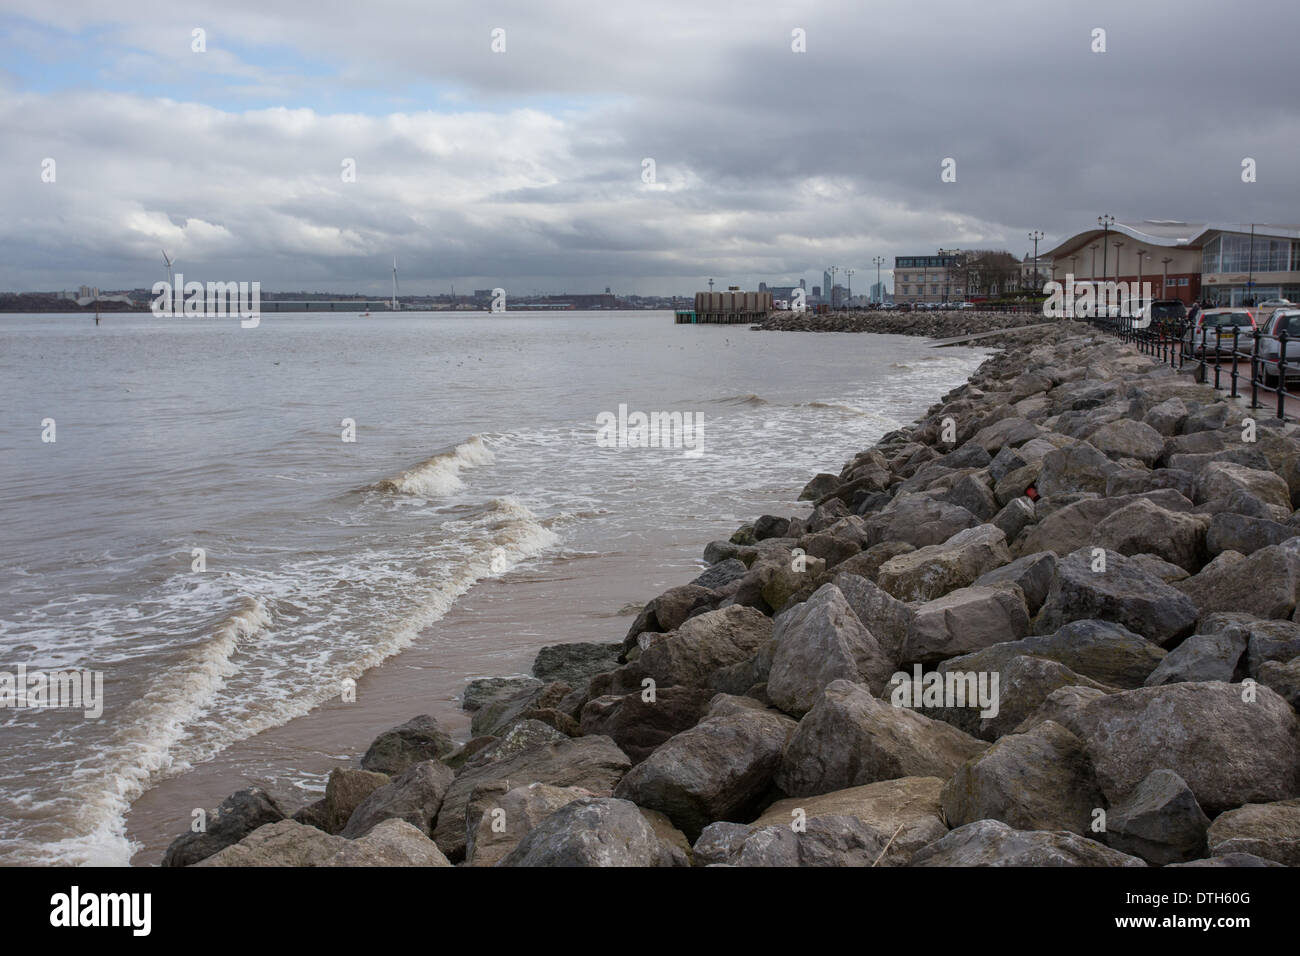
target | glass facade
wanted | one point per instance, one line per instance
(1234, 252)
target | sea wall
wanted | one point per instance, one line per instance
(1052, 622)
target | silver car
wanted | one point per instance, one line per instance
(1270, 346)
(1213, 331)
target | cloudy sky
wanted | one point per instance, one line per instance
(524, 168)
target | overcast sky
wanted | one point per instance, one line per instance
(524, 169)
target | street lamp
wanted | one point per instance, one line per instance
(831, 291)
(1105, 222)
(849, 274)
(946, 277)
(1036, 235)
(880, 290)
(1164, 289)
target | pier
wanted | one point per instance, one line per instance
(726, 308)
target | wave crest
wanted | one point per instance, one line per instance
(438, 475)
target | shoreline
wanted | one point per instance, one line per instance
(769, 675)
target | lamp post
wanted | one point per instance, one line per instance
(849, 274)
(1250, 270)
(880, 290)
(1073, 269)
(1164, 289)
(830, 293)
(946, 276)
(1140, 254)
(1105, 221)
(1036, 235)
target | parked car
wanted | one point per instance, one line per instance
(966, 305)
(1212, 330)
(1270, 345)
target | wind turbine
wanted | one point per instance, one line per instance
(171, 277)
(394, 283)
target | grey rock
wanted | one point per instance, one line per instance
(935, 570)
(965, 620)
(992, 843)
(234, 818)
(1229, 750)
(1202, 657)
(639, 725)
(1123, 593)
(1267, 830)
(820, 641)
(1159, 821)
(719, 769)
(595, 831)
(415, 796)
(487, 689)
(851, 738)
(593, 763)
(1039, 780)
(420, 738)
(574, 664)
(1033, 574)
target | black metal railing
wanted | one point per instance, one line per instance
(1170, 342)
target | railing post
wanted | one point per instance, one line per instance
(1281, 373)
(1218, 341)
(1254, 373)
(1235, 331)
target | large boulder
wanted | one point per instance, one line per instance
(1040, 780)
(575, 664)
(392, 842)
(420, 738)
(289, 843)
(509, 816)
(900, 815)
(669, 610)
(1268, 830)
(345, 790)
(1107, 652)
(485, 690)
(1245, 535)
(1014, 687)
(918, 520)
(887, 618)
(933, 571)
(1219, 479)
(1033, 574)
(1232, 744)
(1123, 592)
(1282, 679)
(993, 843)
(1077, 467)
(820, 641)
(851, 738)
(720, 769)
(639, 724)
(965, 620)
(415, 797)
(690, 655)
(1202, 657)
(1159, 821)
(1263, 585)
(593, 763)
(1143, 527)
(1126, 438)
(234, 818)
(596, 831)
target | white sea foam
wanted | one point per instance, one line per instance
(439, 475)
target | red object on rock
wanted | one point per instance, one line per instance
(1031, 493)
